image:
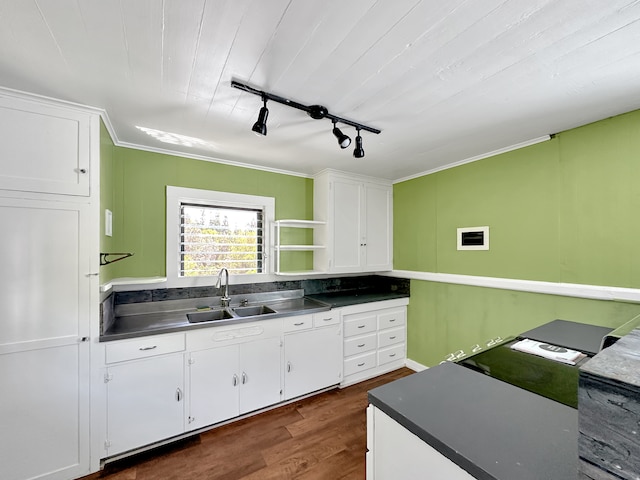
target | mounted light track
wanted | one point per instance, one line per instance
(316, 112)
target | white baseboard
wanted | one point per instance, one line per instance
(415, 366)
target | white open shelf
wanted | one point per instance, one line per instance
(291, 223)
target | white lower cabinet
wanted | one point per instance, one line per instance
(145, 402)
(229, 381)
(374, 339)
(394, 452)
(232, 371)
(312, 356)
(213, 386)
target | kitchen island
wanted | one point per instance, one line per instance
(462, 424)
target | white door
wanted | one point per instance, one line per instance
(213, 386)
(145, 401)
(346, 210)
(260, 369)
(379, 231)
(58, 162)
(312, 361)
(44, 322)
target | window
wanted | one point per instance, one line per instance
(214, 237)
(208, 231)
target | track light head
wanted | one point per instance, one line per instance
(260, 127)
(358, 152)
(343, 140)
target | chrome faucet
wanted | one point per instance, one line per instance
(224, 301)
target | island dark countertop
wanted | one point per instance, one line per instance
(493, 430)
(354, 297)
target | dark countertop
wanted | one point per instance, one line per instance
(355, 297)
(493, 430)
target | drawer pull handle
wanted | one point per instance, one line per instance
(178, 394)
(392, 338)
(235, 380)
(361, 326)
(147, 348)
(392, 320)
(361, 345)
(245, 379)
(298, 324)
(361, 364)
(392, 355)
(288, 366)
(327, 319)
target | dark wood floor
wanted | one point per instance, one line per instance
(323, 437)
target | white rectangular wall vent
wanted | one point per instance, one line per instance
(473, 238)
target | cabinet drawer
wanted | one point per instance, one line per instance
(144, 347)
(390, 319)
(390, 336)
(360, 325)
(391, 354)
(358, 364)
(326, 318)
(300, 322)
(357, 345)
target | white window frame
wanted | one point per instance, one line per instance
(179, 195)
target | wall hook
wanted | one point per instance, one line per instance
(105, 261)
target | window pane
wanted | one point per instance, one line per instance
(213, 237)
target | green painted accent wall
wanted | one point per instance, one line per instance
(139, 187)
(107, 200)
(560, 211)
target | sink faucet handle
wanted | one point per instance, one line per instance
(244, 302)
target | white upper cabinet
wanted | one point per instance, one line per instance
(358, 214)
(43, 148)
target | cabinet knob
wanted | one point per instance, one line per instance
(82, 170)
(235, 380)
(288, 367)
(245, 378)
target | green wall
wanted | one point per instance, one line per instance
(138, 182)
(559, 211)
(107, 200)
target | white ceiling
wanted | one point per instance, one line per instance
(443, 80)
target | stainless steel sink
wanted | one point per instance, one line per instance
(252, 311)
(209, 316)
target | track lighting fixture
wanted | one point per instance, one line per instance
(260, 127)
(343, 140)
(358, 152)
(316, 112)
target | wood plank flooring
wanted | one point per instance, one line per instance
(322, 437)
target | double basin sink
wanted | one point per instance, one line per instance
(228, 313)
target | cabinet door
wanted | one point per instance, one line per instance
(260, 370)
(44, 412)
(213, 386)
(378, 237)
(312, 360)
(144, 402)
(57, 162)
(398, 453)
(346, 211)
(45, 310)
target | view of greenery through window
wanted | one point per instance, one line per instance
(213, 237)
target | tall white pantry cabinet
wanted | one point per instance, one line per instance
(49, 242)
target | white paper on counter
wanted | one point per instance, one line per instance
(546, 350)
